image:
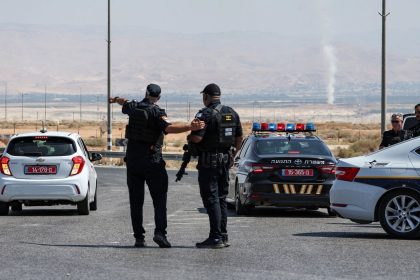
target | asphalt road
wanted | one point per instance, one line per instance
(56, 243)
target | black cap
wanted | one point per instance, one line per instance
(212, 89)
(153, 90)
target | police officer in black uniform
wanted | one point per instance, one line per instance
(396, 134)
(145, 132)
(222, 132)
(414, 131)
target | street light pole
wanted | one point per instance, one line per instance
(5, 102)
(384, 15)
(109, 138)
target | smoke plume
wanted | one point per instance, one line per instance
(329, 53)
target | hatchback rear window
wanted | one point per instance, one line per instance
(41, 146)
(295, 146)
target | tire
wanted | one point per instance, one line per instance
(4, 209)
(83, 206)
(94, 204)
(17, 207)
(399, 214)
(240, 209)
(331, 212)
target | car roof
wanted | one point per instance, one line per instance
(49, 134)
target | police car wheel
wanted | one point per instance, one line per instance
(399, 214)
(240, 209)
(94, 204)
(4, 209)
(83, 206)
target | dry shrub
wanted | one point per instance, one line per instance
(360, 147)
(95, 142)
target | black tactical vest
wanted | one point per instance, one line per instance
(221, 133)
(140, 126)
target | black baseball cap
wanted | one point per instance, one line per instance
(212, 89)
(153, 90)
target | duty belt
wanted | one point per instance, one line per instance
(213, 160)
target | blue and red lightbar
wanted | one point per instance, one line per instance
(283, 127)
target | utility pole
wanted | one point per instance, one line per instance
(384, 15)
(22, 106)
(109, 138)
(45, 105)
(80, 106)
(5, 102)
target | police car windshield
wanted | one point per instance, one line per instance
(294, 146)
(41, 146)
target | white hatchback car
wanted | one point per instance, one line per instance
(383, 186)
(50, 168)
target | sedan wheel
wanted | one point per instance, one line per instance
(239, 208)
(94, 203)
(399, 214)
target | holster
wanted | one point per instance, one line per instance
(213, 160)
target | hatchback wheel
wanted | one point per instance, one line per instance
(94, 203)
(4, 209)
(399, 214)
(83, 206)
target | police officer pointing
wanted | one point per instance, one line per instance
(145, 132)
(222, 132)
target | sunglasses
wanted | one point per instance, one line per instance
(395, 121)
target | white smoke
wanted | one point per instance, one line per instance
(331, 59)
(328, 48)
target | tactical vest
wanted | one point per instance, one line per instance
(139, 128)
(222, 134)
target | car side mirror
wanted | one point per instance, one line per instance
(95, 156)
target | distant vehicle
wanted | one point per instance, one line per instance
(282, 165)
(383, 186)
(51, 168)
(409, 121)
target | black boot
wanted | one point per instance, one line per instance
(211, 243)
(140, 243)
(225, 240)
(161, 240)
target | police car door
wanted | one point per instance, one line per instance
(415, 159)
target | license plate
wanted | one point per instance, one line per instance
(40, 169)
(297, 172)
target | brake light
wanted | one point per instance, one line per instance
(327, 169)
(4, 166)
(261, 168)
(78, 163)
(346, 173)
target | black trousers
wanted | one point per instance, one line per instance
(214, 188)
(140, 171)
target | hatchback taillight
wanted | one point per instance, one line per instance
(346, 173)
(4, 166)
(78, 164)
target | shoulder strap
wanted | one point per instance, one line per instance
(219, 108)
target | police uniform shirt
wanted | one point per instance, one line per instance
(390, 137)
(415, 130)
(206, 115)
(157, 117)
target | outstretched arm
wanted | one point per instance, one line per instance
(118, 100)
(180, 128)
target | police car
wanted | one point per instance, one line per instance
(282, 165)
(50, 168)
(383, 186)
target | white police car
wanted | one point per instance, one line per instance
(383, 186)
(51, 168)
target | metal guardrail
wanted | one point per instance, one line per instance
(107, 154)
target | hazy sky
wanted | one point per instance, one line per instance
(286, 17)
